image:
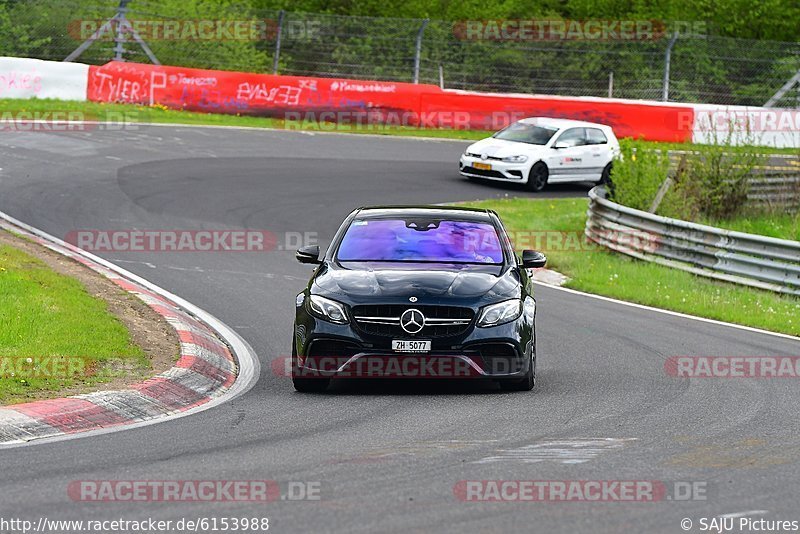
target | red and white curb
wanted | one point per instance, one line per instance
(215, 366)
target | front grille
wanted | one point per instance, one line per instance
(473, 155)
(481, 172)
(440, 321)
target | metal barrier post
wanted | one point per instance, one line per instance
(667, 61)
(418, 51)
(276, 57)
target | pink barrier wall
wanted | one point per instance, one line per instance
(245, 93)
(298, 97)
(628, 118)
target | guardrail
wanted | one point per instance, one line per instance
(748, 259)
(777, 185)
(778, 190)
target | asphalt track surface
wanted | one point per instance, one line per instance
(387, 456)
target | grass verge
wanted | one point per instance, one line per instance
(556, 225)
(130, 113)
(54, 335)
(782, 225)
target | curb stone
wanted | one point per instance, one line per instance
(205, 370)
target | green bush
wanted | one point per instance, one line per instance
(714, 184)
(638, 175)
(709, 183)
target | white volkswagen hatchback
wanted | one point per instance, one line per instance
(538, 150)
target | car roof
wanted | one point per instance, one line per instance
(562, 123)
(455, 212)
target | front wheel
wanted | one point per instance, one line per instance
(525, 383)
(310, 385)
(605, 177)
(537, 178)
(305, 384)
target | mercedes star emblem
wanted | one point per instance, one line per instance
(412, 321)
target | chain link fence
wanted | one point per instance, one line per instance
(680, 68)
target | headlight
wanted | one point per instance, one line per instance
(327, 309)
(500, 313)
(515, 159)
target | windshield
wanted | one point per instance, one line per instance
(421, 240)
(526, 133)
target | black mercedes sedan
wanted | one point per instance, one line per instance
(417, 292)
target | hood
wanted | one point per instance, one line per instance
(430, 283)
(501, 148)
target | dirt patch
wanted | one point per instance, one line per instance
(148, 330)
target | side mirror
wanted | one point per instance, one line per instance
(531, 259)
(561, 144)
(308, 254)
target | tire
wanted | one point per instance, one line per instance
(537, 177)
(526, 383)
(310, 385)
(605, 177)
(306, 385)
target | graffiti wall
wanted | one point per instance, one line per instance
(402, 103)
(244, 93)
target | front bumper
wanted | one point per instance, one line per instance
(342, 351)
(513, 172)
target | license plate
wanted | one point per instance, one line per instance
(411, 345)
(483, 166)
